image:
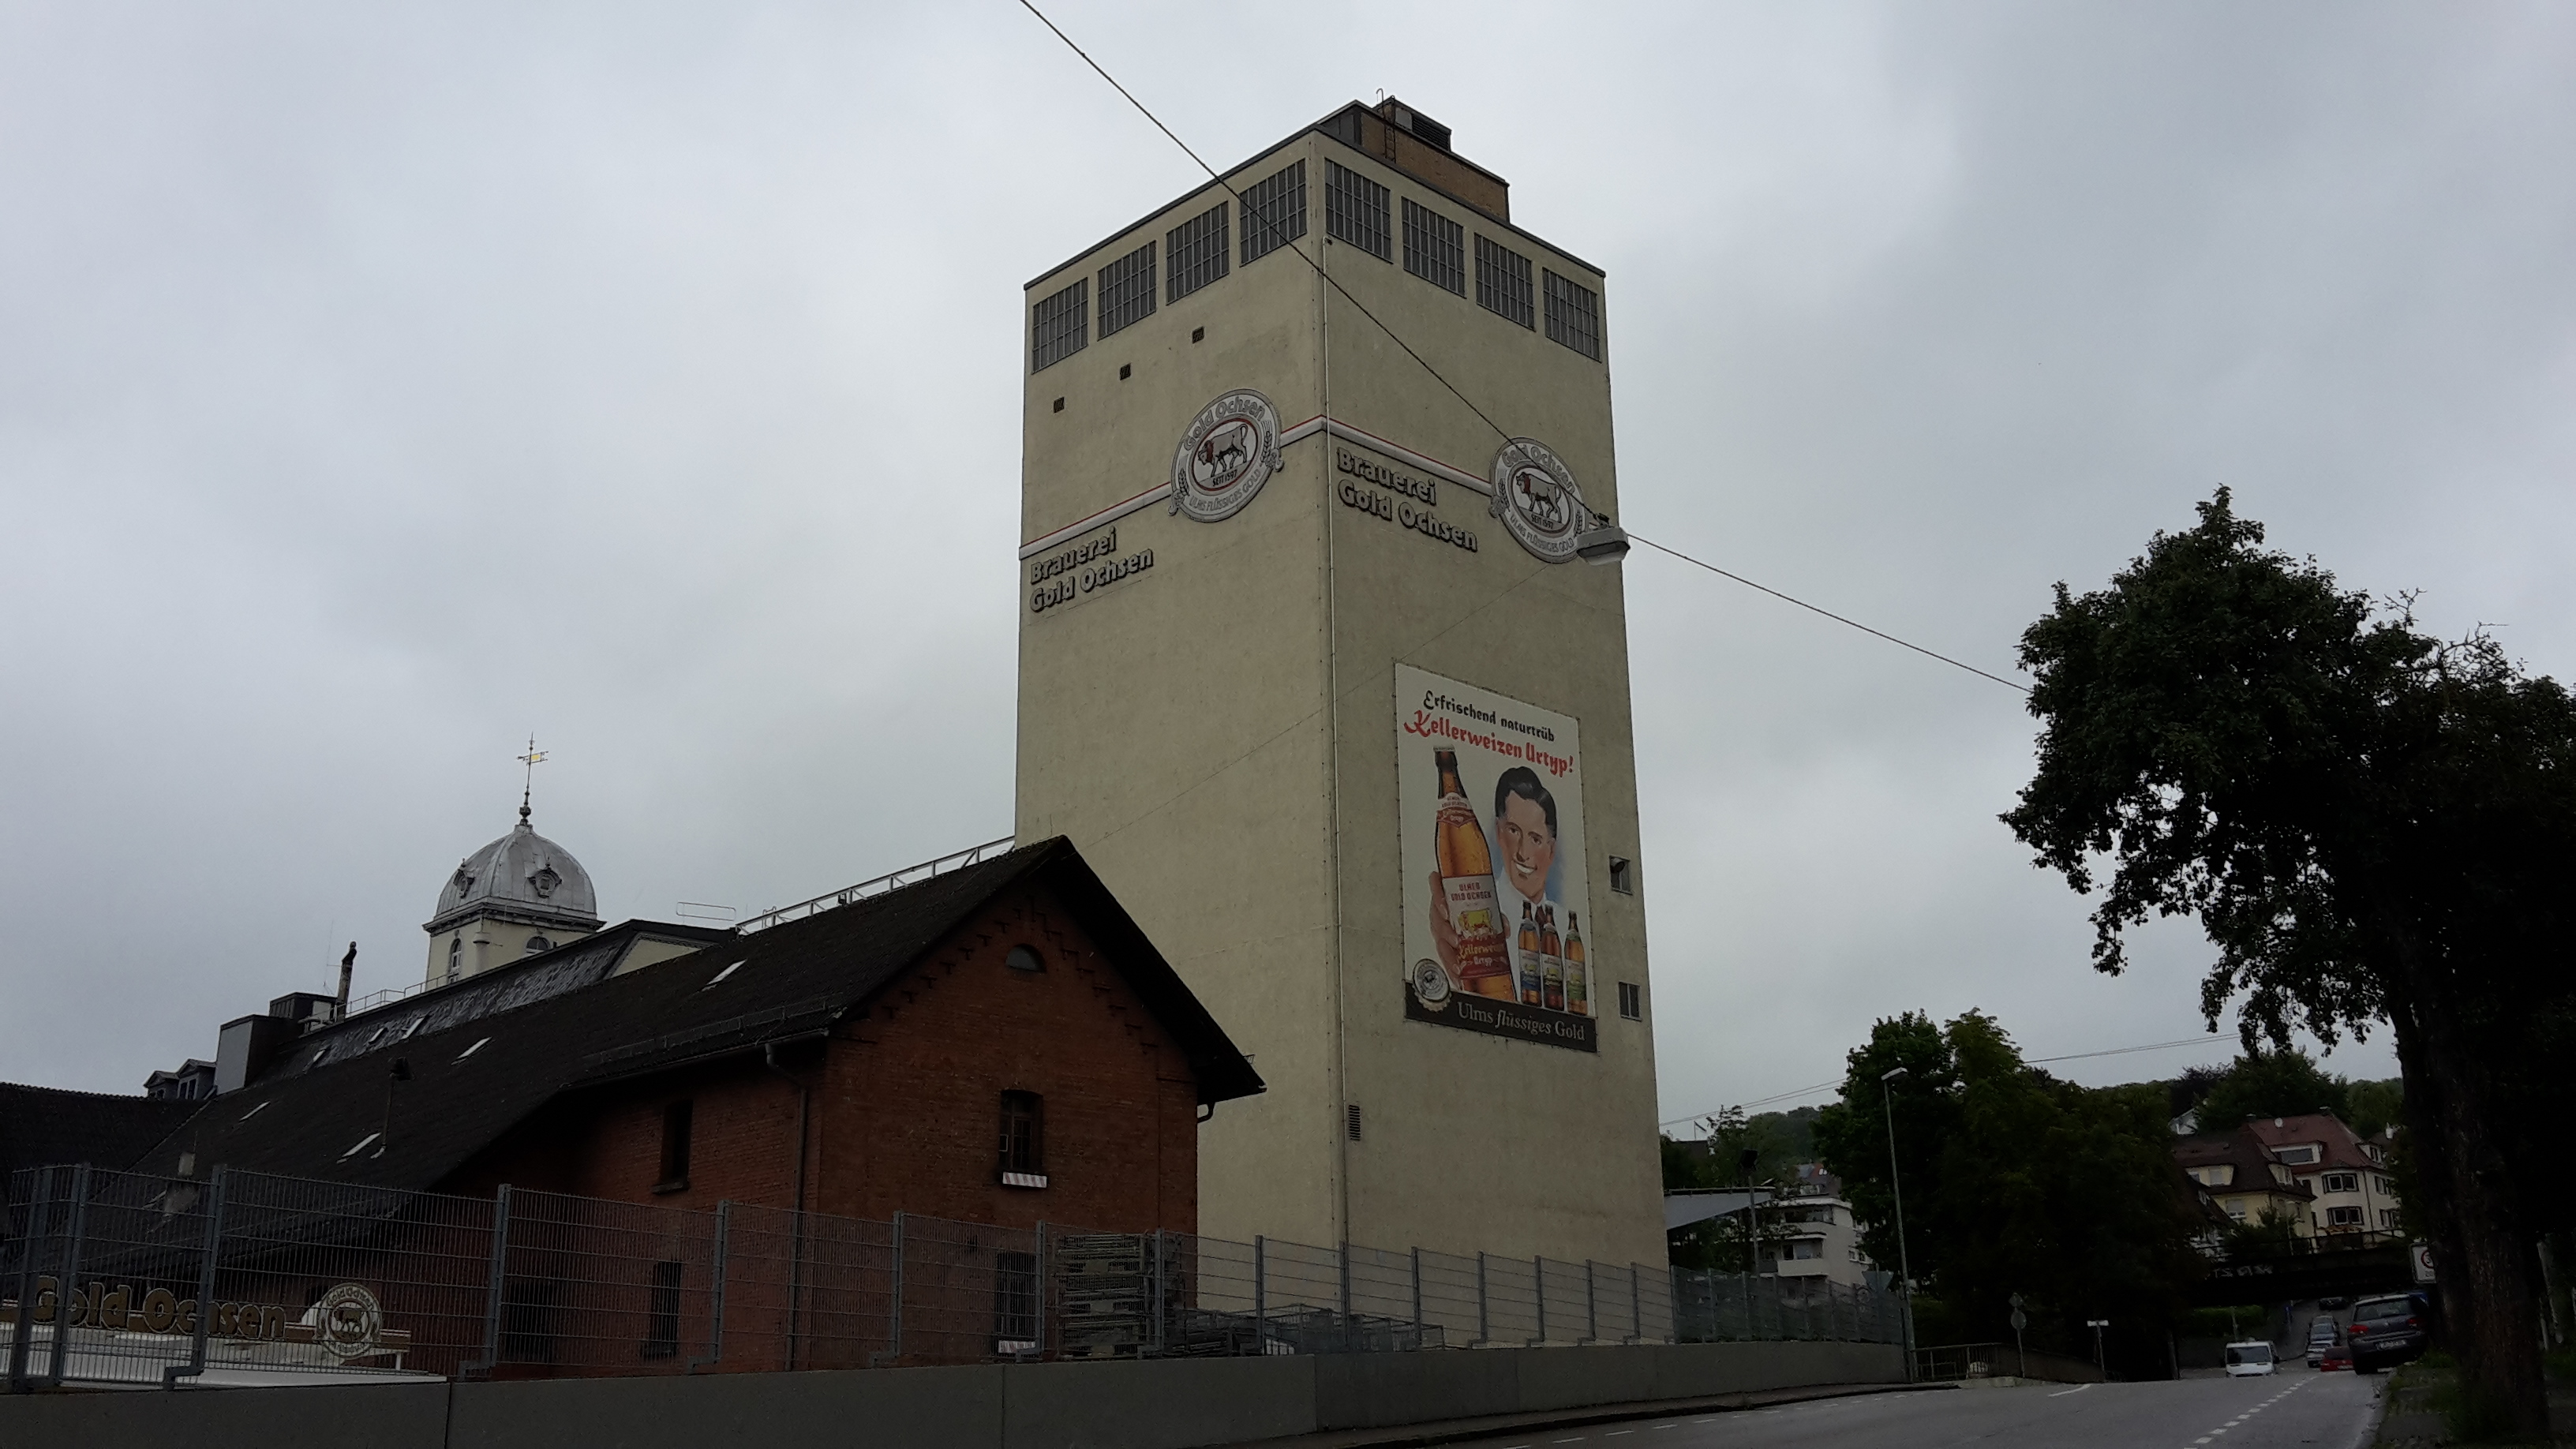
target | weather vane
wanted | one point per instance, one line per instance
(531, 759)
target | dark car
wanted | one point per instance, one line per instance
(2385, 1331)
(2323, 1338)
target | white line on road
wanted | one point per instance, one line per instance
(2079, 1388)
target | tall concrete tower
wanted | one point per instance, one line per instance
(1311, 672)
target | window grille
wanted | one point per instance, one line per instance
(1355, 211)
(1503, 282)
(1198, 252)
(1015, 1302)
(1274, 212)
(1023, 1133)
(1435, 248)
(1351, 1120)
(1127, 290)
(662, 1311)
(1059, 326)
(1574, 316)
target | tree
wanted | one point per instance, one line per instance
(2015, 1182)
(2370, 825)
(2272, 1084)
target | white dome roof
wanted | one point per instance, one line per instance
(523, 876)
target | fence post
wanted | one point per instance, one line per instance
(1260, 1299)
(1538, 1281)
(1161, 1282)
(39, 1208)
(1636, 1306)
(1484, 1324)
(67, 1296)
(895, 1329)
(716, 1287)
(196, 1363)
(1591, 1305)
(492, 1293)
(1417, 1296)
(1348, 1345)
(1037, 1331)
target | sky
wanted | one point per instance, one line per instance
(380, 385)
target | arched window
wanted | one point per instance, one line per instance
(539, 943)
(455, 957)
(1022, 958)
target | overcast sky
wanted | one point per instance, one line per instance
(380, 383)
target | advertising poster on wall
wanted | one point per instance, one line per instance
(1492, 841)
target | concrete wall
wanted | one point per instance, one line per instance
(1161, 1404)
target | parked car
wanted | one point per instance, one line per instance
(2337, 1358)
(2249, 1359)
(2332, 1302)
(2323, 1337)
(2385, 1331)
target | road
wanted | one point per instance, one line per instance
(2288, 1410)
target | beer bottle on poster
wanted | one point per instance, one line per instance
(1551, 966)
(1467, 889)
(1578, 971)
(1529, 967)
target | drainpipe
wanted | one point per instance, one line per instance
(796, 1239)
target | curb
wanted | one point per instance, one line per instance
(1451, 1431)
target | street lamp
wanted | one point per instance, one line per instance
(1904, 1260)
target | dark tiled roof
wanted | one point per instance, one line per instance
(44, 1126)
(472, 1081)
(2342, 1146)
(573, 966)
(2245, 1152)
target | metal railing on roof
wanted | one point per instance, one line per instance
(892, 880)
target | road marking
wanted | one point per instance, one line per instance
(2079, 1388)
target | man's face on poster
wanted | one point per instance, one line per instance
(1528, 848)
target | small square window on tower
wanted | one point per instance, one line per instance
(1623, 875)
(1632, 1001)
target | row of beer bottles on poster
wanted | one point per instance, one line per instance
(1552, 973)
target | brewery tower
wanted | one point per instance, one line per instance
(1278, 584)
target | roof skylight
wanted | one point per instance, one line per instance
(363, 1144)
(721, 975)
(253, 1112)
(469, 1051)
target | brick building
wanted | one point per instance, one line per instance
(997, 1044)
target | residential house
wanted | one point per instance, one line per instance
(2347, 1176)
(2246, 1179)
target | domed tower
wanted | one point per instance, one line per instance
(517, 896)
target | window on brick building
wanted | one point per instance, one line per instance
(675, 1146)
(1023, 1139)
(662, 1312)
(1015, 1302)
(1024, 958)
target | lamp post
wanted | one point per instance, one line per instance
(1744, 1162)
(2097, 1325)
(1904, 1260)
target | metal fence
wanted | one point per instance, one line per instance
(242, 1279)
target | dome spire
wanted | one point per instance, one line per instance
(531, 759)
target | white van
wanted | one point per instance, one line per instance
(2248, 1359)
